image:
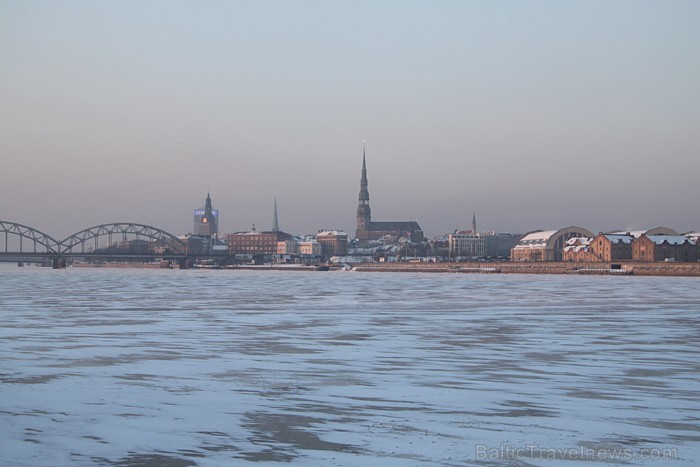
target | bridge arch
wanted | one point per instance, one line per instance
(24, 232)
(121, 231)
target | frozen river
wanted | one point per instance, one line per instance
(176, 368)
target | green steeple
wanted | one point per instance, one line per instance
(275, 222)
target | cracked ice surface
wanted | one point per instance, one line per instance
(177, 368)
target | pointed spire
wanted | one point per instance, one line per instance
(364, 213)
(474, 222)
(364, 193)
(275, 223)
(364, 162)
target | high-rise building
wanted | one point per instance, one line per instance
(373, 230)
(206, 219)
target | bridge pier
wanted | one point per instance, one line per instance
(59, 263)
(185, 263)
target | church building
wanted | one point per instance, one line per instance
(368, 230)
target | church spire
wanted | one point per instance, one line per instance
(275, 223)
(364, 161)
(474, 222)
(364, 213)
(364, 192)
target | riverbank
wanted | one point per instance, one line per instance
(118, 265)
(555, 267)
(504, 267)
(261, 267)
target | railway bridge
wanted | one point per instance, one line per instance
(120, 241)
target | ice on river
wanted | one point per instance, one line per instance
(159, 367)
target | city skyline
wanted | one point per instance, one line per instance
(533, 116)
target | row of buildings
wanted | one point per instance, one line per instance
(276, 245)
(325, 244)
(271, 245)
(571, 244)
(391, 240)
(261, 246)
(581, 245)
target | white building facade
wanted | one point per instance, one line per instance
(466, 244)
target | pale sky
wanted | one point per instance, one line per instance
(533, 114)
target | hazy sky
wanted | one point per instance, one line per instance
(533, 114)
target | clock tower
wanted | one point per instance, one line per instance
(206, 220)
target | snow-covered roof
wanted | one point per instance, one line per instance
(576, 248)
(547, 238)
(670, 239)
(578, 241)
(536, 239)
(329, 233)
(539, 236)
(654, 231)
(615, 238)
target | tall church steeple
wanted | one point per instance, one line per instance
(275, 222)
(364, 213)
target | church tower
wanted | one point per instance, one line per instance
(206, 220)
(364, 213)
